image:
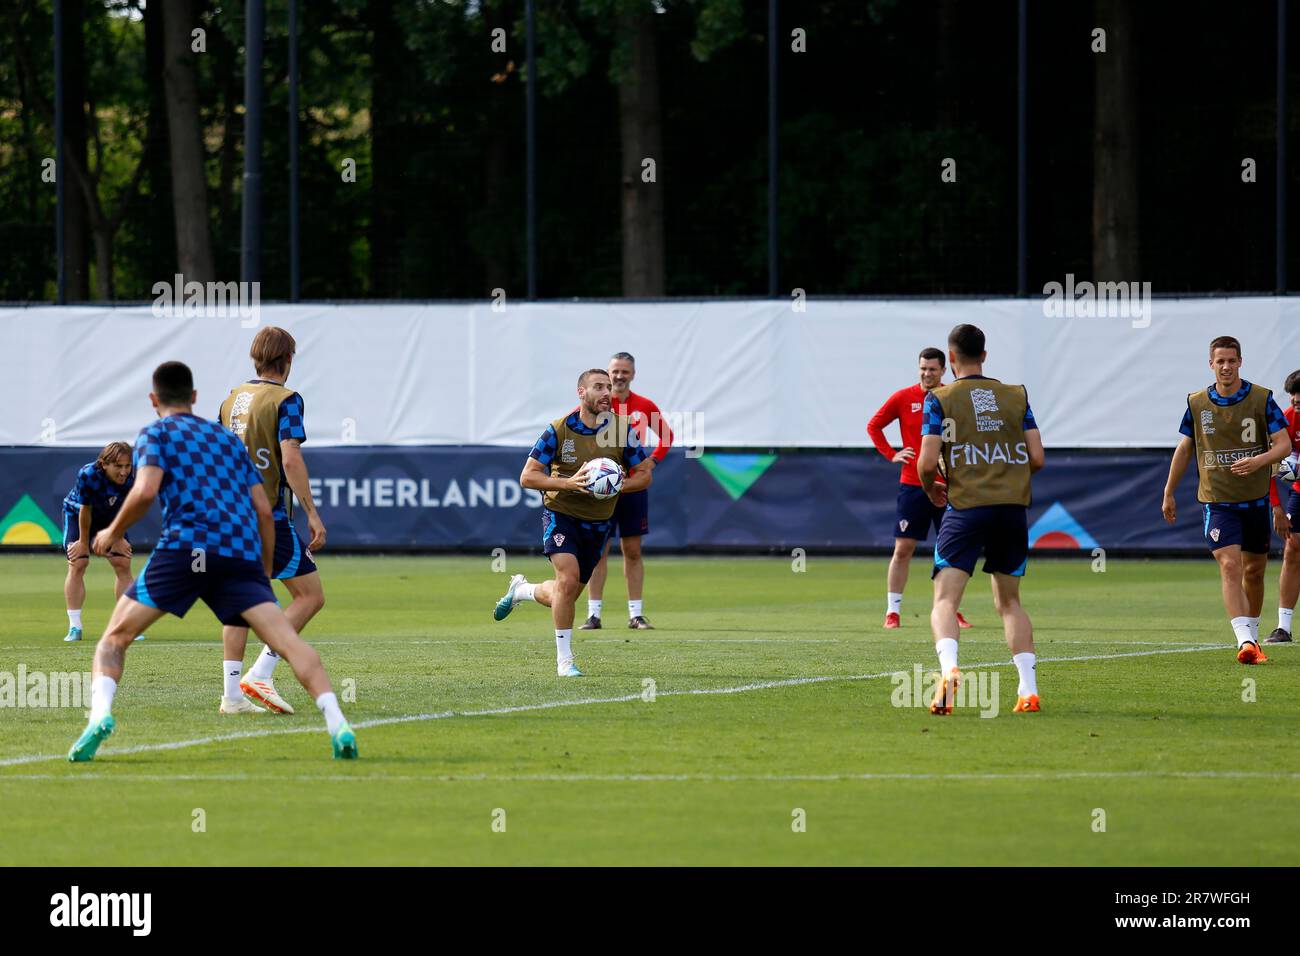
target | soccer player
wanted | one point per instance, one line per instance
(632, 514)
(1286, 521)
(216, 544)
(269, 418)
(1236, 432)
(985, 434)
(914, 512)
(575, 524)
(88, 509)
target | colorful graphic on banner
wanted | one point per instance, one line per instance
(1057, 528)
(26, 523)
(735, 473)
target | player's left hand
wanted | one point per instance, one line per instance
(1281, 522)
(317, 529)
(1244, 466)
(938, 495)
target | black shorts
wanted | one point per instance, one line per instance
(171, 581)
(292, 557)
(72, 531)
(914, 513)
(632, 514)
(998, 532)
(1251, 528)
(585, 540)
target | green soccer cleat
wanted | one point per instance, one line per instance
(345, 743)
(90, 739)
(508, 602)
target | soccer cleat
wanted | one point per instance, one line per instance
(94, 735)
(639, 623)
(508, 602)
(263, 691)
(892, 621)
(1026, 705)
(568, 670)
(590, 624)
(139, 637)
(1249, 653)
(946, 693)
(345, 743)
(1279, 636)
(241, 706)
(74, 634)
(962, 622)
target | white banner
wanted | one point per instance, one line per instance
(727, 374)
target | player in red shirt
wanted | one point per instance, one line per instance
(632, 514)
(1286, 522)
(915, 512)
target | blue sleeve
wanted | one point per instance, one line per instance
(544, 447)
(148, 451)
(1276, 420)
(1029, 424)
(1186, 427)
(931, 416)
(634, 453)
(291, 410)
(83, 490)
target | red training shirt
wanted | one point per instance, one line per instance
(643, 414)
(904, 407)
(1292, 429)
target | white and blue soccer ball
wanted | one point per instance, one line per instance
(604, 478)
(1287, 469)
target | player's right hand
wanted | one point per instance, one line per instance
(77, 551)
(578, 480)
(938, 495)
(904, 456)
(103, 543)
(1169, 509)
(1281, 522)
(317, 529)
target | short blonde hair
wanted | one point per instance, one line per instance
(111, 451)
(272, 349)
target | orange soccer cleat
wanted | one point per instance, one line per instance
(892, 621)
(1249, 653)
(962, 622)
(946, 693)
(1026, 705)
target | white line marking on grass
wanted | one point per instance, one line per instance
(584, 701)
(660, 777)
(186, 644)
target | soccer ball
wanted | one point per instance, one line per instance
(1286, 468)
(604, 478)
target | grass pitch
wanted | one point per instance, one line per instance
(773, 736)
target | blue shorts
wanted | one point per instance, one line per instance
(292, 558)
(72, 530)
(915, 512)
(999, 532)
(1293, 510)
(585, 540)
(229, 586)
(632, 514)
(1251, 528)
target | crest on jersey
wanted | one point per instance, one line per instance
(112, 500)
(902, 525)
(984, 400)
(558, 539)
(916, 406)
(243, 402)
(1214, 534)
(567, 453)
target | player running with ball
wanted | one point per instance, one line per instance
(575, 524)
(914, 513)
(987, 437)
(1236, 432)
(216, 544)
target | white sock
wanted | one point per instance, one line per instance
(264, 665)
(946, 648)
(1241, 628)
(895, 602)
(525, 592)
(329, 706)
(633, 609)
(593, 607)
(1254, 629)
(563, 648)
(1025, 663)
(101, 697)
(1283, 618)
(230, 671)
(74, 618)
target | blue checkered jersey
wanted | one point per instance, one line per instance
(94, 488)
(544, 448)
(1276, 419)
(932, 414)
(205, 491)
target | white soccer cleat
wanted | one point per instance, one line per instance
(568, 670)
(241, 706)
(263, 691)
(508, 600)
